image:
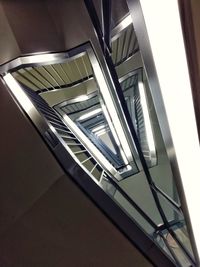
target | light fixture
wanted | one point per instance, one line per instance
(117, 141)
(89, 114)
(125, 169)
(148, 128)
(113, 113)
(18, 92)
(105, 112)
(121, 26)
(96, 129)
(81, 98)
(128, 167)
(42, 58)
(177, 97)
(126, 21)
(101, 132)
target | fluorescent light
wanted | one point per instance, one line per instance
(128, 167)
(123, 156)
(81, 98)
(43, 58)
(105, 112)
(125, 169)
(177, 97)
(18, 92)
(147, 123)
(121, 26)
(99, 133)
(90, 114)
(96, 129)
(111, 107)
(126, 22)
(114, 134)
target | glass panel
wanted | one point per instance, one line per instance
(134, 84)
(175, 248)
(171, 212)
(126, 206)
(138, 189)
(182, 234)
(162, 244)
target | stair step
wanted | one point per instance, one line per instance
(79, 152)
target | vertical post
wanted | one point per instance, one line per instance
(106, 4)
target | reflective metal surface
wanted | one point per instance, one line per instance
(144, 29)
